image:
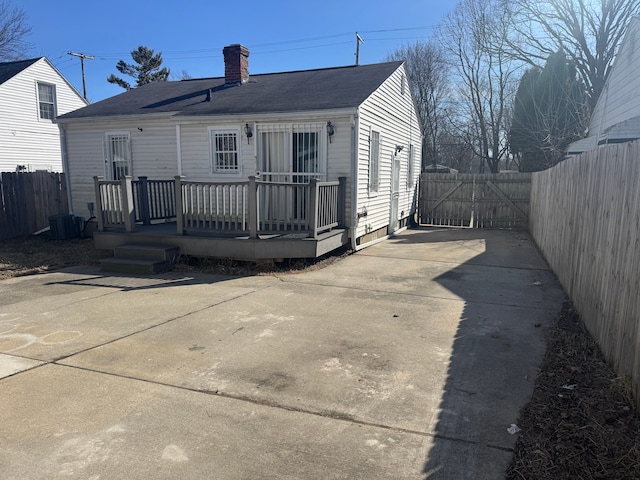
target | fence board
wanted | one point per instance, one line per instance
(27, 200)
(585, 218)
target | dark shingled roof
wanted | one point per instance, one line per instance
(322, 89)
(11, 69)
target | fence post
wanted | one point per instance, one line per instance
(342, 201)
(129, 211)
(144, 201)
(179, 207)
(99, 216)
(312, 214)
(253, 207)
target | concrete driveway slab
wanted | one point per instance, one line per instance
(60, 423)
(387, 364)
(10, 365)
(99, 309)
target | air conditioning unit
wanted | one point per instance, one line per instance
(64, 227)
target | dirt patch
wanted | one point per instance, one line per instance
(581, 422)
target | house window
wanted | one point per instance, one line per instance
(224, 151)
(374, 161)
(410, 161)
(47, 101)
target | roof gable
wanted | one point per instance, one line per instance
(9, 70)
(306, 90)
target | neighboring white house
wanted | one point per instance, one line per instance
(32, 94)
(357, 122)
(616, 115)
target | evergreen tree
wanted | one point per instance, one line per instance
(548, 114)
(145, 70)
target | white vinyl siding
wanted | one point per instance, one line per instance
(225, 151)
(25, 139)
(410, 167)
(153, 153)
(374, 161)
(393, 115)
(46, 101)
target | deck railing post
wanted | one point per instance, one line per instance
(129, 212)
(179, 208)
(143, 198)
(98, 207)
(313, 207)
(342, 201)
(253, 207)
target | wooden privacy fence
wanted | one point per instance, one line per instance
(585, 218)
(476, 201)
(27, 200)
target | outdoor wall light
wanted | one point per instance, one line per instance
(330, 130)
(399, 148)
(248, 132)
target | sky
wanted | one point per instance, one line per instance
(281, 35)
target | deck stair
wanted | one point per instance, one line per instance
(140, 259)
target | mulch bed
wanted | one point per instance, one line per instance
(581, 422)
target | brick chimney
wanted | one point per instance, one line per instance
(236, 64)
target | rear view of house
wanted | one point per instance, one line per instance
(256, 157)
(32, 94)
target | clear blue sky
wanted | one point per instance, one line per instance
(191, 33)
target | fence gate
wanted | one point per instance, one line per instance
(473, 200)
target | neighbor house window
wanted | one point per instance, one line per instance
(374, 161)
(47, 101)
(225, 153)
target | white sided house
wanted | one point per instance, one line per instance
(616, 115)
(280, 165)
(32, 94)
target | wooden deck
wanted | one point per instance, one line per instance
(264, 247)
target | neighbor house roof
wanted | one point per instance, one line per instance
(11, 69)
(321, 89)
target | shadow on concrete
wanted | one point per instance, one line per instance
(127, 283)
(510, 295)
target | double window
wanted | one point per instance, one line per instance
(46, 101)
(225, 151)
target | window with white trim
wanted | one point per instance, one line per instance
(225, 151)
(410, 166)
(374, 161)
(118, 151)
(46, 101)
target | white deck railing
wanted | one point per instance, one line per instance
(250, 207)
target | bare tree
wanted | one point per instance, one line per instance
(588, 32)
(13, 32)
(428, 77)
(474, 36)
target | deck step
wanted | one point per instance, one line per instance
(140, 259)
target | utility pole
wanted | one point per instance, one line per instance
(82, 57)
(359, 40)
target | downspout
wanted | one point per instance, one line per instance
(179, 149)
(65, 164)
(355, 132)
